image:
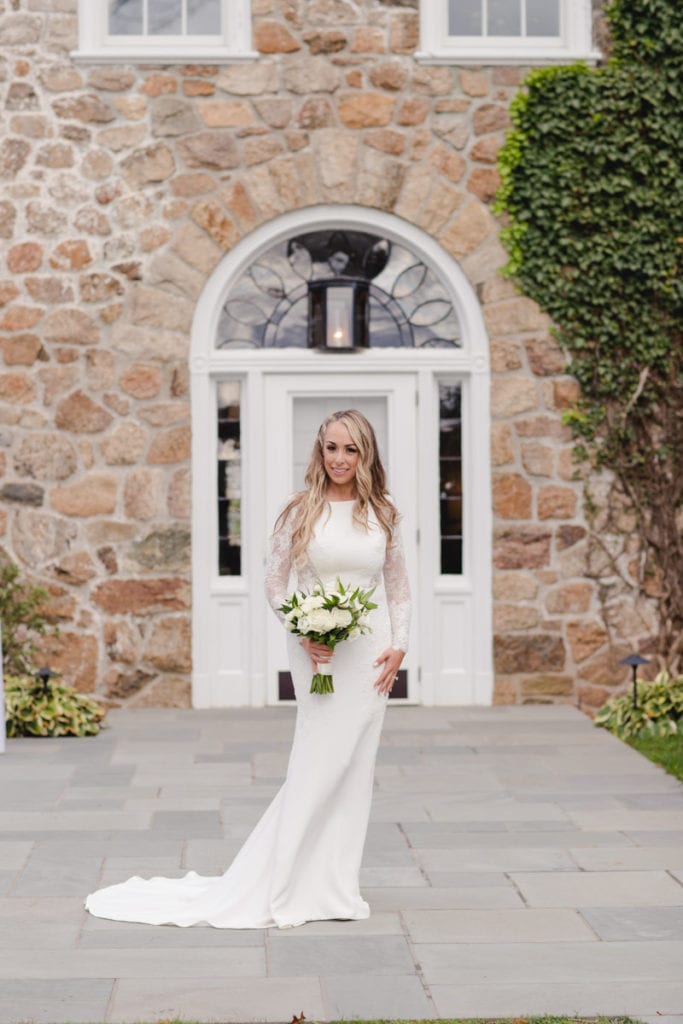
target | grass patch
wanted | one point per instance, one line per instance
(460, 1020)
(666, 751)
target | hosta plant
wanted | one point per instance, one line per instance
(34, 708)
(659, 711)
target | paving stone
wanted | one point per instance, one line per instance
(660, 838)
(46, 1001)
(124, 793)
(123, 844)
(118, 776)
(377, 855)
(96, 804)
(629, 858)
(600, 889)
(628, 821)
(634, 999)
(233, 962)
(377, 924)
(388, 954)
(7, 880)
(20, 791)
(99, 933)
(526, 839)
(463, 796)
(43, 877)
(16, 821)
(428, 898)
(202, 824)
(263, 999)
(497, 925)
(40, 923)
(368, 997)
(457, 879)
(14, 854)
(479, 859)
(549, 962)
(391, 876)
(499, 810)
(634, 923)
(653, 801)
(20, 770)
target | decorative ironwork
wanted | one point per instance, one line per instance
(407, 303)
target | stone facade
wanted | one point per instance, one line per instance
(122, 189)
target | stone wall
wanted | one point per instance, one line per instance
(123, 187)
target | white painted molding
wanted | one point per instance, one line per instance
(470, 363)
(573, 44)
(96, 46)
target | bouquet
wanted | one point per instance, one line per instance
(328, 617)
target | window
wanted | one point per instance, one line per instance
(506, 31)
(229, 479)
(450, 477)
(164, 31)
(347, 283)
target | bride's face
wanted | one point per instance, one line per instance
(340, 454)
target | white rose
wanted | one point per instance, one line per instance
(321, 621)
(342, 617)
(312, 602)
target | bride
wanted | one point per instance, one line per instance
(302, 860)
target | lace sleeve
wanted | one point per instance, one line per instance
(398, 592)
(278, 565)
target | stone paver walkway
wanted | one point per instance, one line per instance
(519, 861)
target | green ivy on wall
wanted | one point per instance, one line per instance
(593, 191)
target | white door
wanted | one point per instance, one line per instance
(295, 407)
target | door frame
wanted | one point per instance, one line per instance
(244, 683)
(281, 391)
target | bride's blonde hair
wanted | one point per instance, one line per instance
(308, 505)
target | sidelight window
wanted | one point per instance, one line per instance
(229, 479)
(450, 477)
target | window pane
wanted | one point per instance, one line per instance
(204, 17)
(465, 18)
(229, 480)
(165, 17)
(450, 477)
(543, 17)
(385, 293)
(451, 556)
(504, 18)
(125, 17)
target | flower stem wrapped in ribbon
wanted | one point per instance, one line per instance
(328, 617)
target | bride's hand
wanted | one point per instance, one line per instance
(319, 654)
(390, 660)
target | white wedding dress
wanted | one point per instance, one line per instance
(302, 860)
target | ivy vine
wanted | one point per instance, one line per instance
(593, 192)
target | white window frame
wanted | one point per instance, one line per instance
(96, 46)
(573, 43)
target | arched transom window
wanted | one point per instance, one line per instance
(338, 289)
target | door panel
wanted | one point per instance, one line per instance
(310, 411)
(296, 408)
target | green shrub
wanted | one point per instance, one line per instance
(51, 709)
(659, 711)
(21, 619)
